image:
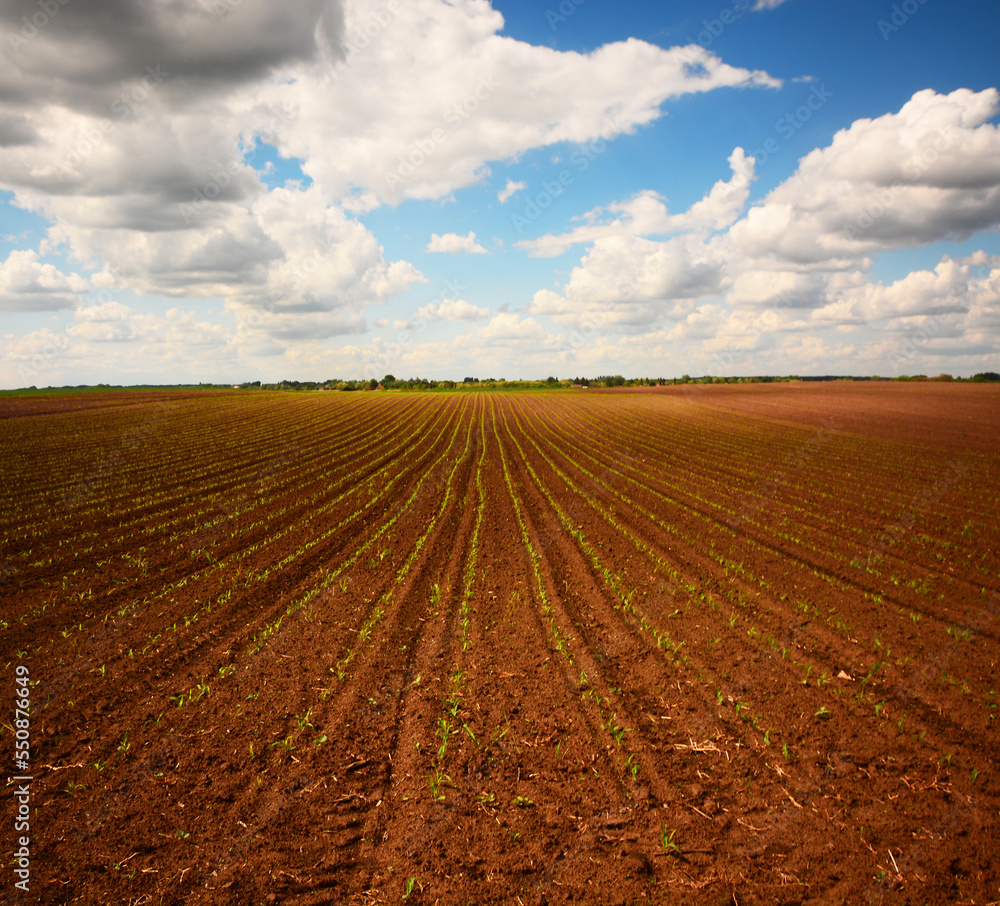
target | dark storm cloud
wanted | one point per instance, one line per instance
(80, 51)
(16, 130)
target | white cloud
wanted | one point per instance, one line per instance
(929, 172)
(133, 140)
(438, 93)
(28, 285)
(453, 244)
(792, 253)
(510, 189)
(114, 322)
(759, 289)
(949, 288)
(646, 214)
(175, 346)
(306, 268)
(509, 327)
(147, 179)
(635, 282)
(451, 310)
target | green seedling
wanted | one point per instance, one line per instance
(438, 780)
(668, 842)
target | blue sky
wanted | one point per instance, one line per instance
(229, 191)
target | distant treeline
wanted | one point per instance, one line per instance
(390, 382)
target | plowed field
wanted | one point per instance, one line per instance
(711, 645)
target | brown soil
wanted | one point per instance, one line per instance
(711, 645)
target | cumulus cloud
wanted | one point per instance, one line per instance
(28, 285)
(303, 267)
(132, 128)
(950, 288)
(929, 172)
(114, 322)
(509, 327)
(88, 49)
(453, 244)
(330, 264)
(170, 347)
(646, 214)
(16, 130)
(451, 310)
(785, 289)
(461, 95)
(133, 135)
(634, 283)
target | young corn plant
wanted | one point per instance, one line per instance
(669, 842)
